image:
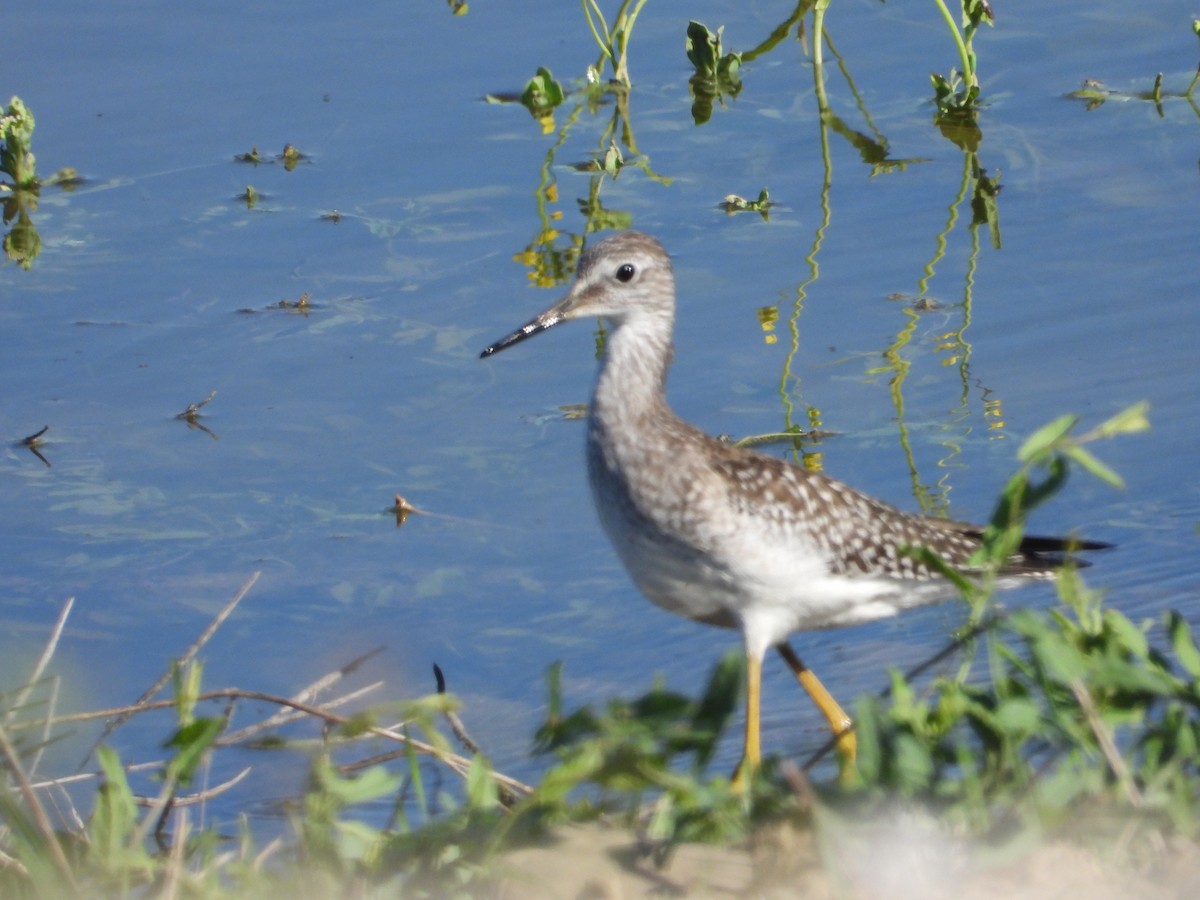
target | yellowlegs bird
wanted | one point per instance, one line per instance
(728, 536)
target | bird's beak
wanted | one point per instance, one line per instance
(538, 323)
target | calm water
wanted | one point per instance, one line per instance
(155, 283)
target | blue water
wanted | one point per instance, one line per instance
(135, 309)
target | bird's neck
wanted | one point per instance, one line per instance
(633, 374)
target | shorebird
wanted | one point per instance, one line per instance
(728, 536)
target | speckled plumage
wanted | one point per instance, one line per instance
(724, 535)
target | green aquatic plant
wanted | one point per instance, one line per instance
(16, 138)
(551, 254)
(717, 75)
(734, 204)
(541, 96)
(1095, 94)
(22, 243)
(959, 91)
(614, 41)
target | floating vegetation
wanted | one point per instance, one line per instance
(1095, 94)
(402, 509)
(253, 157)
(734, 204)
(16, 139)
(22, 242)
(302, 305)
(718, 74)
(191, 415)
(542, 95)
(291, 157)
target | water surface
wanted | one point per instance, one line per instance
(155, 284)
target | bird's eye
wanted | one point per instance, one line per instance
(626, 272)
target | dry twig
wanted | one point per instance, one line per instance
(458, 763)
(187, 657)
(40, 820)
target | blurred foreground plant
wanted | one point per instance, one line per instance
(1078, 715)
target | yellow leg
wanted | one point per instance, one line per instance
(839, 723)
(752, 754)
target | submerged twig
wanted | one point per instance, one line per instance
(33, 442)
(456, 725)
(193, 409)
(507, 797)
(191, 415)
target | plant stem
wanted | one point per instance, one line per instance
(588, 7)
(819, 54)
(968, 71)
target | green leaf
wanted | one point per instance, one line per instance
(1084, 458)
(1121, 675)
(1128, 421)
(913, 763)
(718, 705)
(935, 562)
(481, 787)
(358, 724)
(186, 680)
(114, 821)
(1017, 716)
(580, 766)
(542, 93)
(1045, 439)
(1058, 658)
(370, 784)
(867, 732)
(1038, 492)
(1132, 639)
(190, 742)
(703, 47)
(554, 702)
(1183, 642)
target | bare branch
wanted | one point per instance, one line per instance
(187, 657)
